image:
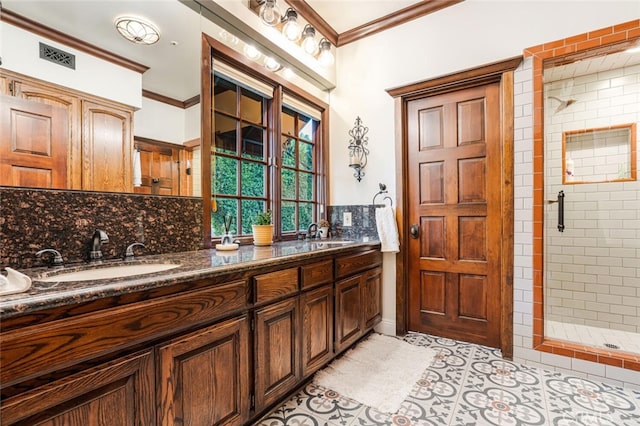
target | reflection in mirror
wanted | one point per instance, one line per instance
(102, 113)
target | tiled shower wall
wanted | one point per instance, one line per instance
(592, 269)
(33, 219)
(523, 321)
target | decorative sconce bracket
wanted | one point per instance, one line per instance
(358, 150)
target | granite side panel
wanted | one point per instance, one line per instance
(33, 219)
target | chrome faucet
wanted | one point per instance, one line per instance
(56, 258)
(98, 238)
(128, 253)
(315, 232)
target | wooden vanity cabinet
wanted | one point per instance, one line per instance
(205, 352)
(121, 392)
(204, 376)
(358, 296)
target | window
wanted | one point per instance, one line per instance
(298, 171)
(266, 153)
(239, 178)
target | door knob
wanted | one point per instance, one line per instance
(414, 231)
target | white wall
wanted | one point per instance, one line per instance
(160, 121)
(20, 53)
(467, 35)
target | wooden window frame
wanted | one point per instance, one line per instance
(213, 50)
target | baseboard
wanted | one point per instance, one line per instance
(386, 326)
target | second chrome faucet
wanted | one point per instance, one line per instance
(98, 238)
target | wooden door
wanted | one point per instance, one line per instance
(317, 328)
(107, 148)
(454, 170)
(349, 316)
(120, 392)
(204, 376)
(33, 144)
(277, 351)
(159, 166)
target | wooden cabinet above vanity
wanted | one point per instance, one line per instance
(220, 347)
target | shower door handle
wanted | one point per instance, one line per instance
(561, 211)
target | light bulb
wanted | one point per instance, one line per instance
(308, 40)
(271, 64)
(291, 29)
(325, 57)
(269, 14)
(288, 73)
(251, 52)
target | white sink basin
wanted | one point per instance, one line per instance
(108, 272)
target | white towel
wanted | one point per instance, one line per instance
(137, 169)
(387, 229)
(14, 282)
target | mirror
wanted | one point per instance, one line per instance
(155, 112)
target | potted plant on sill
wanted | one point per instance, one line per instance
(263, 229)
(324, 225)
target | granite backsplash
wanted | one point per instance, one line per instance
(34, 219)
(363, 221)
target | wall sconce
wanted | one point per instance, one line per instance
(291, 28)
(269, 13)
(325, 56)
(357, 148)
(309, 39)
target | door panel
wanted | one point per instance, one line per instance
(33, 144)
(454, 266)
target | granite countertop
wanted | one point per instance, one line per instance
(193, 265)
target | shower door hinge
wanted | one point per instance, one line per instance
(253, 401)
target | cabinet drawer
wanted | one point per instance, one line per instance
(317, 273)
(276, 284)
(351, 264)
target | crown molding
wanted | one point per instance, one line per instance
(171, 101)
(393, 19)
(34, 27)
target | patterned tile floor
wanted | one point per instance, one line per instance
(472, 385)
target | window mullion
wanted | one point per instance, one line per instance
(275, 167)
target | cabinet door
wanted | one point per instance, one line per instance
(120, 392)
(317, 328)
(277, 351)
(348, 312)
(106, 148)
(56, 97)
(33, 144)
(372, 297)
(204, 376)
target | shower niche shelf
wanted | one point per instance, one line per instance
(606, 154)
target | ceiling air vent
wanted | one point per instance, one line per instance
(57, 56)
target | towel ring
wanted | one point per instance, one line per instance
(383, 190)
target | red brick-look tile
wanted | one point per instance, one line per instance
(625, 31)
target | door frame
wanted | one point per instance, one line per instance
(497, 72)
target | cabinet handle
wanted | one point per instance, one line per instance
(414, 231)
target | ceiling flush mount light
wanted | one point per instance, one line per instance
(137, 30)
(358, 148)
(325, 56)
(309, 40)
(291, 28)
(269, 13)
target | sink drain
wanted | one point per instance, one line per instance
(612, 346)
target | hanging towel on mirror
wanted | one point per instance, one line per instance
(387, 229)
(137, 169)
